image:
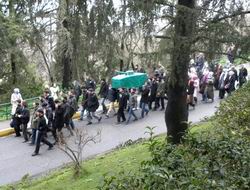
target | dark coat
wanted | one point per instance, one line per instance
(145, 95)
(25, 116)
(242, 75)
(230, 84)
(59, 117)
(104, 90)
(92, 103)
(153, 88)
(123, 101)
(112, 94)
(67, 112)
(42, 126)
(16, 120)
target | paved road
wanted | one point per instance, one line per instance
(16, 160)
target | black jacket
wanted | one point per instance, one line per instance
(41, 126)
(25, 116)
(104, 90)
(243, 74)
(123, 101)
(153, 88)
(59, 117)
(92, 103)
(17, 120)
(145, 95)
(112, 94)
(230, 83)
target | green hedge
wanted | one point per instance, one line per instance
(218, 158)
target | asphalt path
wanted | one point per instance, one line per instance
(16, 160)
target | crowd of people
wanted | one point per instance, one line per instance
(204, 79)
(55, 110)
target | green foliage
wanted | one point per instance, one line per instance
(214, 159)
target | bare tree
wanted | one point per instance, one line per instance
(74, 150)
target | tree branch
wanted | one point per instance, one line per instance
(215, 20)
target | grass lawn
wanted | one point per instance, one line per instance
(128, 158)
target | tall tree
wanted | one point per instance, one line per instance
(176, 114)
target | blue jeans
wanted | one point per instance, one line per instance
(144, 108)
(71, 123)
(33, 140)
(130, 114)
(82, 114)
(104, 108)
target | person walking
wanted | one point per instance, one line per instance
(160, 95)
(221, 85)
(41, 131)
(230, 83)
(34, 122)
(190, 94)
(153, 92)
(132, 105)
(73, 107)
(103, 93)
(58, 120)
(25, 118)
(144, 100)
(84, 103)
(92, 106)
(112, 96)
(122, 106)
(242, 75)
(67, 114)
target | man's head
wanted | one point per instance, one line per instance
(46, 93)
(24, 104)
(40, 112)
(121, 90)
(90, 90)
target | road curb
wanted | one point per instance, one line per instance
(6, 132)
(9, 131)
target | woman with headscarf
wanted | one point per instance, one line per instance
(14, 98)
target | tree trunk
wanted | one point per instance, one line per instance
(176, 115)
(66, 71)
(12, 16)
(13, 68)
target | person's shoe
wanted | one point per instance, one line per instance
(107, 116)
(80, 119)
(118, 123)
(18, 136)
(162, 109)
(115, 114)
(89, 123)
(50, 147)
(99, 120)
(147, 112)
(123, 120)
(25, 141)
(135, 119)
(34, 154)
(31, 144)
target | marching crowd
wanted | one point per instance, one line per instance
(55, 110)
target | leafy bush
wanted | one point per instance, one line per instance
(214, 159)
